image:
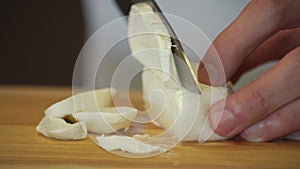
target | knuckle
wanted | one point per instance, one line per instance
(276, 8)
(289, 114)
(280, 6)
(274, 5)
(260, 101)
(294, 58)
(284, 115)
(296, 55)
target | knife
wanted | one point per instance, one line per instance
(184, 68)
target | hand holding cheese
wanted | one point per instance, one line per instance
(269, 107)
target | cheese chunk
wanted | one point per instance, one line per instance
(175, 109)
(109, 120)
(59, 129)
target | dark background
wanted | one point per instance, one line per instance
(39, 41)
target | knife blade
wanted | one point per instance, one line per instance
(184, 68)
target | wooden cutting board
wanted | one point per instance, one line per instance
(21, 108)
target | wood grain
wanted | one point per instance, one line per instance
(21, 109)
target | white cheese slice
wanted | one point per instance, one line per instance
(109, 120)
(58, 128)
(180, 112)
(127, 144)
(98, 119)
(149, 39)
(81, 102)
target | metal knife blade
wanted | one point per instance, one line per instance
(184, 68)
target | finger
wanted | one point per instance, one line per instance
(272, 49)
(269, 92)
(282, 122)
(259, 21)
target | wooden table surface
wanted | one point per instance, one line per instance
(21, 108)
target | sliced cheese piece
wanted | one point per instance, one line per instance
(149, 39)
(109, 120)
(182, 113)
(127, 144)
(87, 111)
(57, 128)
(82, 102)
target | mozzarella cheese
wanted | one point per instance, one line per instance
(59, 129)
(89, 111)
(127, 144)
(177, 110)
(109, 120)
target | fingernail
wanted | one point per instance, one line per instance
(255, 132)
(222, 121)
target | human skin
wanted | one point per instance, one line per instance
(269, 107)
